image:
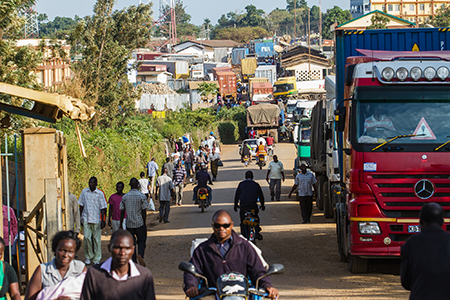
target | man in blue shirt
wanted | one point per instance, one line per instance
(202, 178)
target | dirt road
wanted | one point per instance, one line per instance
(308, 251)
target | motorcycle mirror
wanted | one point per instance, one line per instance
(275, 269)
(188, 268)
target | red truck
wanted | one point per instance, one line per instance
(395, 146)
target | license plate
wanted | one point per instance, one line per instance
(413, 228)
(203, 197)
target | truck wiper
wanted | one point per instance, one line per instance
(396, 137)
(447, 142)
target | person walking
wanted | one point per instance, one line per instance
(144, 185)
(214, 159)
(114, 207)
(275, 172)
(10, 230)
(188, 160)
(164, 186)
(169, 166)
(135, 205)
(304, 182)
(93, 211)
(179, 179)
(118, 277)
(152, 169)
(425, 265)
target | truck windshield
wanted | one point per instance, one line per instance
(378, 121)
(291, 108)
(283, 87)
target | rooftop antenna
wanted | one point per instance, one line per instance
(31, 28)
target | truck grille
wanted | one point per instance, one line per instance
(396, 196)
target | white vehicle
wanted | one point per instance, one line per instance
(253, 143)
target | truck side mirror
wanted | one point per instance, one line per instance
(339, 117)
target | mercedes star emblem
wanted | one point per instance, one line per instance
(424, 189)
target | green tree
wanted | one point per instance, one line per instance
(293, 4)
(334, 15)
(378, 22)
(106, 41)
(59, 28)
(206, 89)
(252, 18)
(241, 35)
(441, 18)
(17, 64)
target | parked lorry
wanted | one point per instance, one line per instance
(324, 155)
(251, 81)
(264, 118)
(392, 129)
(220, 69)
(227, 85)
(262, 92)
(286, 88)
(248, 67)
(269, 72)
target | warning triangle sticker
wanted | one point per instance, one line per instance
(424, 131)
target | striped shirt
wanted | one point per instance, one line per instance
(178, 175)
(304, 183)
(134, 202)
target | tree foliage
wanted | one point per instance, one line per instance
(106, 40)
(206, 89)
(442, 18)
(334, 15)
(59, 28)
(378, 22)
(241, 35)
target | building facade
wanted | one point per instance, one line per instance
(418, 11)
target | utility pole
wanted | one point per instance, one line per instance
(295, 20)
(320, 26)
(309, 44)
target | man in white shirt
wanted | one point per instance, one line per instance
(144, 185)
(275, 172)
(152, 168)
(93, 215)
(304, 182)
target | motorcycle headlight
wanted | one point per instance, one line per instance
(369, 228)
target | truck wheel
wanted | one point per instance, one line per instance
(319, 193)
(358, 265)
(328, 209)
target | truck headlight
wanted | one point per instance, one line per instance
(388, 73)
(442, 73)
(429, 73)
(402, 73)
(416, 73)
(369, 228)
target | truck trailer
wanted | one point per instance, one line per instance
(392, 129)
(264, 119)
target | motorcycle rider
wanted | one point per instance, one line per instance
(261, 151)
(247, 194)
(209, 258)
(246, 152)
(202, 178)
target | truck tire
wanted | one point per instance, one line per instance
(319, 192)
(358, 265)
(328, 209)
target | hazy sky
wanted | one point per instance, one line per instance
(198, 9)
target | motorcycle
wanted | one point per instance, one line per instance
(202, 198)
(231, 286)
(261, 162)
(245, 160)
(250, 222)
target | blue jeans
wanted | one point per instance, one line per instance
(194, 196)
(164, 209)
(188, 169)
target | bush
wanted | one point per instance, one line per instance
(237, 114)
(228, 131)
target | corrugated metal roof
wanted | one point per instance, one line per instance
(214, 43)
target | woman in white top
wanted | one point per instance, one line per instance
(64, 245)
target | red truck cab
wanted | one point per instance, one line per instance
(396, 133)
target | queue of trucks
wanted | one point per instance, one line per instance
(380, 145)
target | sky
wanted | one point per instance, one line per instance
(198, 9)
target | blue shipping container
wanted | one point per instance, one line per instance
(238, 54)
(264, 49)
